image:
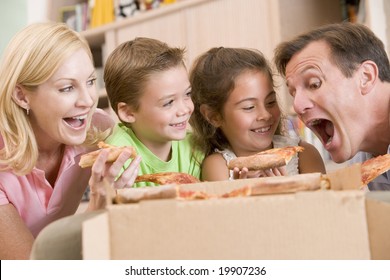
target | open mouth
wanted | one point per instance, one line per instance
(76, 122)
(323, 128)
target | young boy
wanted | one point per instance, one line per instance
(148, 88)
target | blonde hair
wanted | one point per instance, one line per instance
(30, 59)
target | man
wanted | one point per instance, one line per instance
(339, 77)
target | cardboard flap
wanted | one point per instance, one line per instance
(306, 225)
(348, 178)
(378, 216)
(96, 238)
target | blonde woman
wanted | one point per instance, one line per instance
(47, 104)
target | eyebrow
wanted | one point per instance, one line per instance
(304, 69)
(173, 94)
(93, 73)
(273, 92)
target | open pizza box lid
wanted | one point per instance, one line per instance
(323, 224)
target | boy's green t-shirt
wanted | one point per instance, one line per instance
(184, 158)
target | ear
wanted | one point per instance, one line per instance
(126, 112)
(211, 116)
(19, 97)
(368, 76)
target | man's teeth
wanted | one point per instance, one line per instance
(315, 122)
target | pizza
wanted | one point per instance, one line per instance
(192, 195)
(261, 186)
(132, 195)
(267, 159)
(171, 191)
(282, 185)
(242, 191)
(374, 167)
(87, 160)
(164, 178)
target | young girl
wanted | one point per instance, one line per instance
(237, 114)
(148, 88)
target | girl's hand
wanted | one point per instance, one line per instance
(277, 171)
(244, 173)
(104, 174)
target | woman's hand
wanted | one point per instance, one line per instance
(244, 173)
(104, 177)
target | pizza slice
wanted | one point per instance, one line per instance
(133, 195)
(268, 159)
(170, 191)
(374, 167)
(242, 191)
(192, 195)
(164, 178)
(87, 160)
(282, 185)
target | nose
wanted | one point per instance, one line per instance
(87, 97)
(263, 114)
(301, 102)
(186, 106)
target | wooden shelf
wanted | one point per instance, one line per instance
(96, 36)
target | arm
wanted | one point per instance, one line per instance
(102, 120)
(214, 168)
(310, 159)
(15, 238)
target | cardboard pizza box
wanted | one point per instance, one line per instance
(322, 224)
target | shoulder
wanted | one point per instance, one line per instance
(102, 120)
(214, 168)
(215, 158)
(14, 186)
(120, 136)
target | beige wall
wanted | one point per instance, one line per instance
(298, 16)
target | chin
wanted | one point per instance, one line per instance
(339, 157)
(76, 141)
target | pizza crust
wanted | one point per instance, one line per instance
(87, 160)
(268, 159)
(374, 167)
(164, 178)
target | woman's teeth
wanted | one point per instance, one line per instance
(76, 121)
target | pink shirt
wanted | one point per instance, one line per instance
(39, 203)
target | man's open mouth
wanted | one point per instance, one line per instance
(323, 128)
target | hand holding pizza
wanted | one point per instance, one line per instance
(244, 173)
(267, 163)
(105, 170)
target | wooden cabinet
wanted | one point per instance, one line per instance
(199, 25)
